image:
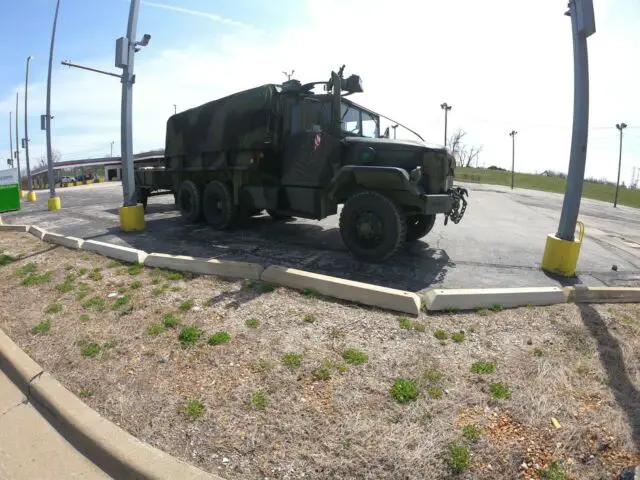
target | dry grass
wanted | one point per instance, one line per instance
(235, 409)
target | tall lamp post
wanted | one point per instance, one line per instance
(54, 202)
(513, 134)
(11, 139)
(31, 196)
(562, 249)
(620, 127)
(131, 214)
(446, 108)
(18, 152)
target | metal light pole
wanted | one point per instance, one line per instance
(111, 154)
(11, 139)
(31, 196)
(175, 109)
(54, 202)
(131, 214)
(18, 149)
(446, 109)
(513, 134)
(562, 250)
(394, 130)
(620, 127)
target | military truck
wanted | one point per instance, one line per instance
(296, 152)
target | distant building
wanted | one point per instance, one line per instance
(107, 168)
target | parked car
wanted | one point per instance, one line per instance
(67, 180)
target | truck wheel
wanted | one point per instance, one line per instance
(189, 201)
(372, 227)
(142, 197)
(218, 207)
(419, 225)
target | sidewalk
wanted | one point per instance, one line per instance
(30, 448)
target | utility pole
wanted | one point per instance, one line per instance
(562, 250)
(131, 214)
(18, 148)
(446, 109)
(11, 140)
(175, 109)
(31, 196)
(620, 127)
(513, 134)
(53, 203)
(111, 154)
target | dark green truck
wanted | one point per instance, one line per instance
(294, 152)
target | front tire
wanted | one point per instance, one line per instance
(189, 201)
(372, 227)
(218, 207)
(419, 225)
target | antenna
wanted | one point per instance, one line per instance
(289, 75)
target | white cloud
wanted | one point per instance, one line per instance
(503, 65)
(197, 13)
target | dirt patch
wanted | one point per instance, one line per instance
(280, 398)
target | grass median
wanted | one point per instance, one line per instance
(251, 382)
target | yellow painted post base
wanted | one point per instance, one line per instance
(561, 256)
(21, 194)
(132, 218)
(31, 196)
(54, 203)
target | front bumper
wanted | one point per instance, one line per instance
(453, 204)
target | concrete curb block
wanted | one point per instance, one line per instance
(37, 232)
(14, 228)
(470, 299)
(115, 451)
(69, 242)
(583, 294)
(125, 254)
(16, 364)
(222, 268)
(364, 293)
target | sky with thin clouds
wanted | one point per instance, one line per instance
(501, 64)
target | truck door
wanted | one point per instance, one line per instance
(309, 148)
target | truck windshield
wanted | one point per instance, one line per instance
(355, 121)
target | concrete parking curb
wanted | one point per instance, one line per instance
(125, 254)
(16, 364)
(584, 294)
(367, 294)
(14, 228)
(37, 232)
(69, 242)
(115, 451)
(474, 298)
(222, 268)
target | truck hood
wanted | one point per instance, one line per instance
(384, 143)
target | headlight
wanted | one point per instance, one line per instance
(416, 174)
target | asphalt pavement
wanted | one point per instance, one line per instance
(499, 243)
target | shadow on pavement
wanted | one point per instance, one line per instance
(306, 246)
(625, 393)
(564, 281)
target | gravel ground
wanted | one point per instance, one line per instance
(280, 398)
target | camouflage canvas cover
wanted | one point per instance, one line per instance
(242, 121)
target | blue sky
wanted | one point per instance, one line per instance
(503, 65)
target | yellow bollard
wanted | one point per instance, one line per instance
(54, 203)
(21, 194)
(31, 196)
(561, 256)
(132, 218)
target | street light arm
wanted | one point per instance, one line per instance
(69, 64)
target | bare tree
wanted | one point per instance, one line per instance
(42, 159)
(464, 154)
